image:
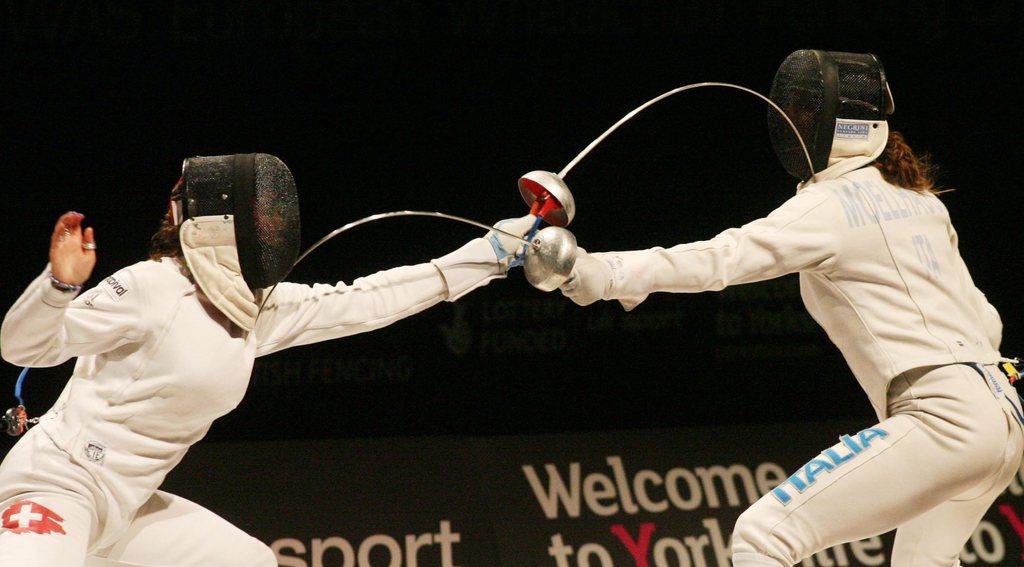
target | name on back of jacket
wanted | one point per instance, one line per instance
(870, 203)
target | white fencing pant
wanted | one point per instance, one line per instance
(952, 444)
(168, 531)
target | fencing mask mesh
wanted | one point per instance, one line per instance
(259, 192)
(815, 88)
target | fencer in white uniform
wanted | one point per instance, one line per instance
(158, 359)
(880, 270)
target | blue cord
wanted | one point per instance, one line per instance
(518, 261)
(536, 225)
(17, 387)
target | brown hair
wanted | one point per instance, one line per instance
(901, 167)
(165, 242)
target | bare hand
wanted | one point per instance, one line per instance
(72, 250)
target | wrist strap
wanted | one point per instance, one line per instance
(65, 287)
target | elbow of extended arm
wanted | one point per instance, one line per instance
(25, 358)
(8, 348)
(20, 351)
(16, 358)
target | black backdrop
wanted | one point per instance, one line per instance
(408, 105)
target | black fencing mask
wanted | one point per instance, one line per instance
(838, 102)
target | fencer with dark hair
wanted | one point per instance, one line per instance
(881, 272)
(166, 346)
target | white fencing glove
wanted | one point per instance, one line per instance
(483, 259)
(590, 280)
(508, 250)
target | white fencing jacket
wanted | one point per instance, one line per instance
(157, 363)
(879, 268)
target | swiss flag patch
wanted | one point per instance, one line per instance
(26, 516)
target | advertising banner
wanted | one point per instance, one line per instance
(631, 499)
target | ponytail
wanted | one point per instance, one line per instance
(165, 241)
(902, 168)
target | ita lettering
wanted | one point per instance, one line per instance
(848, 449)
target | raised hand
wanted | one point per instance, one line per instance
(72, 250)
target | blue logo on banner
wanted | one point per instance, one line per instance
(852, 130)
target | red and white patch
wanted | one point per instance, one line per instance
(26, 516)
